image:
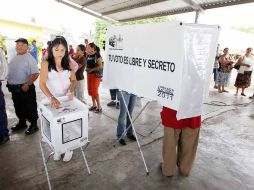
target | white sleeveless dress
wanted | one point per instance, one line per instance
(58, 82)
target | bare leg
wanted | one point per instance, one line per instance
(236, 91)
(223, 89)
(243, 92)
(94, 102)
(219, 88)
(98, 102)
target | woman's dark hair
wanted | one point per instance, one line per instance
(65, 63)
(95, 47)
(82, 48)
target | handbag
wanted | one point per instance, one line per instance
(99, 73)
(237, 65)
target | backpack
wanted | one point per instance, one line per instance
(99, 73)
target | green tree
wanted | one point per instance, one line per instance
(101, 27)
(148, 20)
(249, 29)
(100, 32)
(2, 42)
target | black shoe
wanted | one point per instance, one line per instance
(122, 142)
(4, 140)
(117, 105)
(132, 137)
(243, 94)
(112, 103)
(20, 125)
(92, 108)
(98, 110)
(31, 130)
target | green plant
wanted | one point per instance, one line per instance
(2, 42)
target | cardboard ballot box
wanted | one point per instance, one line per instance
(65, 128)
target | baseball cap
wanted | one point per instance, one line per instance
(23, 40)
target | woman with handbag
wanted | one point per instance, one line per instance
(225, 62)
(94, 68)
(243, 78)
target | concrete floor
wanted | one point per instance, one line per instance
(225, 157)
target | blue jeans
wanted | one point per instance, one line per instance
(130, 100)
(215, 74)
(4, 132)
(113, 94)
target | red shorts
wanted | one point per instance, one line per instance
(93, 83)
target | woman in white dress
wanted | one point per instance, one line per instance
(57, 78)
(243, 79)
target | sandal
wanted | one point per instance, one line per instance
(92, 108)
(98, 110)
(251, 97)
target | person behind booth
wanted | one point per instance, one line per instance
(123, 118)
(33, 49)
(216, 67)
(180, 142)
(71, 51)
(94, 65)
(4, 132)
(58, 79)
(80, 58)
(22, 72)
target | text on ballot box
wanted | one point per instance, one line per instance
(65, 128)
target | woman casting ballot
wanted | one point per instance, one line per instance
(57, 78)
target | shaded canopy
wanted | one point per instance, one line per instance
(127, 10)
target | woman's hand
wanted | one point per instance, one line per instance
(54, 102)
(70, 95)
(88, 70)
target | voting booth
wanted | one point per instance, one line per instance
(169, 62)
(65, 128)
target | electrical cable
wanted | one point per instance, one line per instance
(219, 103)
(212, 103)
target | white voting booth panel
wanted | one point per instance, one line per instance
(169, 62)
(65, 128)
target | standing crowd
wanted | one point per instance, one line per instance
(225, 63)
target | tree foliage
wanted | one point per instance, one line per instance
(149, 20)
(249, 29)
(2, 42)
(100, 32)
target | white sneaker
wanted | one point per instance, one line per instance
(57, 156)
(67, 156)
(236, 94)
